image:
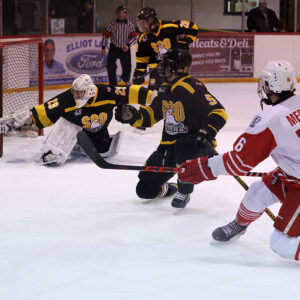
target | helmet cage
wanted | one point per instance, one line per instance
(83, 89)
(175, 61)
(145, 19)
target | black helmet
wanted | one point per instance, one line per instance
(146, 15)
(176, 61)
(121, 8)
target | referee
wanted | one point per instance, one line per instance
(122, 35)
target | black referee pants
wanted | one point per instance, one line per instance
(115, 53)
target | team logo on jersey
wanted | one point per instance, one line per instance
(255, 121)
(78, 112)
(173, 127)
(145, 38)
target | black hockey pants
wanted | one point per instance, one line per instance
(149, 185)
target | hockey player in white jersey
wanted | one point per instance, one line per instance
(274, 132)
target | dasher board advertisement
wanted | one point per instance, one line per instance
(67, 57)
(222, 56)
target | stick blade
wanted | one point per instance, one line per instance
(89, 148)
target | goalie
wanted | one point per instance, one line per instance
(85, 106)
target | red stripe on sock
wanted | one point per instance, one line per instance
(244, 216)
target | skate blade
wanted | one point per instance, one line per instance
(178, 211)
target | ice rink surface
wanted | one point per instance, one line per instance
(78, 232)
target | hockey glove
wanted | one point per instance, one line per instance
(207, 133)
(196, 171)
(183, 40)
(126, 114)
(17, 119)
(21, 118)
(138, 77)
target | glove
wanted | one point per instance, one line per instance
(196, 171)
(184, 39)
(207, 133)
(17, 119)
(126, 114)
(138, 77)
(21, 118)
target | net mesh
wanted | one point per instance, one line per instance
(20, 76)
(20, 63)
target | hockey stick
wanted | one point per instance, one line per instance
(254, 174)
(237, 178)
(147, 73)
(85, 142)
(89, 148)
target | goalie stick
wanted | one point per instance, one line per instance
(237, 178)
(85, 142)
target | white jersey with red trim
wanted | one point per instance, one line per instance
(274, 132)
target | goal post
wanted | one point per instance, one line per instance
(21, 75)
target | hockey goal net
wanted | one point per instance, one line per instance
(21, 76)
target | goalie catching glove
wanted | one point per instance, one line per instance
(126, 114)
(196, 171)
(17, 119)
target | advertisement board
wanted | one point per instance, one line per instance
(66, 57)
(222, 56)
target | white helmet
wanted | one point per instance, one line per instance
(83, 89)
(278, 76)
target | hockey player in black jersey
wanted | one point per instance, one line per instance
(190, 113)
(157, 37)
(86, 106)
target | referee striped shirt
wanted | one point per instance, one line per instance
(121, 33)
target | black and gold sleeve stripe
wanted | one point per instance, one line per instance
(138, 94)
(217, 118)
(40, 116)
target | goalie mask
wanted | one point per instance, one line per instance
(175, 61)
(277, 77)
(83, 89)
(146, 18)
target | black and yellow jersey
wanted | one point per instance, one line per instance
(160, 40)
(185, 106)
(95, 114)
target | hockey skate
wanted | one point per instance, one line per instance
(180, 200)
(229, 232)
(168, 189)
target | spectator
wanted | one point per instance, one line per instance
(51, 66)
(85, 19)
(122, 35)
(263, 19)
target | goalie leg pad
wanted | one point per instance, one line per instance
(61, 140)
